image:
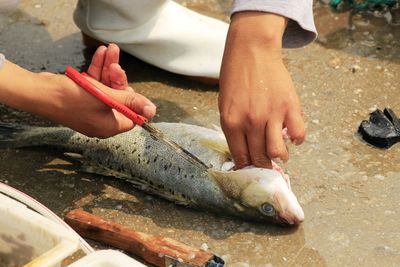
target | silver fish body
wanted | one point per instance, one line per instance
(153, 166)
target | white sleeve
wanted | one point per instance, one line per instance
(2, 60)
(300, 30)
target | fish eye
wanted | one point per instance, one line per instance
(267, 209)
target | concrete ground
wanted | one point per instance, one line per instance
(349, 190)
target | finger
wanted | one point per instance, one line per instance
(137, 102)
(118, 77)
(96, 66)
(112, 56)
(237, 143)
(276, 147)
(295, 126)
(257, 146)
(123, 124)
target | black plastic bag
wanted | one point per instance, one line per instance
(382, 129)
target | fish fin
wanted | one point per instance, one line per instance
(96, 169)
(282, 172)
(217, 128)
(136, 182)
(155, 190)
(228, 182)
(217, 144)
(101, 170)
(91, 167)
(179, 200)
(74, 156)
(9, 134)
(161, 191)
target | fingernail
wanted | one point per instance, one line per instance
(280, 160)
(118, 67)
(277, 160)
(295, 142)
(119, 83)
(149, 110)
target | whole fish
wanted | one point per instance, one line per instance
(151, 165)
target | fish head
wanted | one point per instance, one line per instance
(264, 190)
(270, 193)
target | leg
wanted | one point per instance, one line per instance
(160, 32)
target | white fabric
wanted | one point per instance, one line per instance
(7, 6)
(160, 32)
(300, 29)
(2, 60)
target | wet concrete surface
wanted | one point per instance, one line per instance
(349, 190)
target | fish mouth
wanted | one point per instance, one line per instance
(289, 219)
(288, 208)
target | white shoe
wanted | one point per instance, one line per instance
(8, 6)
(160, 32)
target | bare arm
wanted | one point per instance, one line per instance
(59, 99)
(257, 97)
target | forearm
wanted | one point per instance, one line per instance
(257, 97)
(28, 91)
(254, 39)
(58, 98)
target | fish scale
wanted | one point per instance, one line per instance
(169, 169)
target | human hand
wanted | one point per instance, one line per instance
(257, 97)
(105, 67)
(88, 115)
(58, 98)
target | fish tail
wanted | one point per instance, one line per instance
(9, 133)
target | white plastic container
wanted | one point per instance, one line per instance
(107, 258)
(27, 237)
(32, 235)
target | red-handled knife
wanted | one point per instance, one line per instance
(83, 82)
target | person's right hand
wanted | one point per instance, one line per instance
(105, 68)
(59, 99)
(88, 115)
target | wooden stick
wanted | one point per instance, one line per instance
(156, 250)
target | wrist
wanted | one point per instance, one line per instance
(55, 90)
(258, 30)
(22, 89)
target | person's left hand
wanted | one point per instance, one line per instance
(257, 97)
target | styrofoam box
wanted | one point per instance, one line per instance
(107, 258)
(30, 239)
(26, 237)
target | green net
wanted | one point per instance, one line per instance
(360, 5)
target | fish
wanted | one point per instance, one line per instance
(211, 183)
